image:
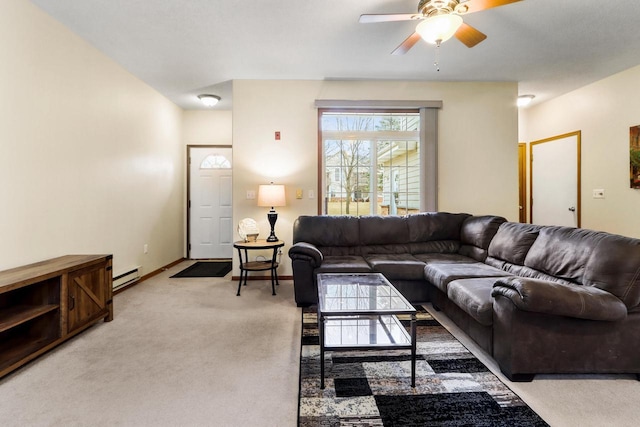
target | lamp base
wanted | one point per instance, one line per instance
(273, 217)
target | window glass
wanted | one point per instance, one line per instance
(215, 161)
(371, 162)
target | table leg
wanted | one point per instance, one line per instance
(274, 273)
(273, 282)
(241, 272)
(321, 322)
(413, 350)
(239, 284)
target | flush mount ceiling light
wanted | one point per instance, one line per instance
(439, 28)
(209, 100)
(524, 100)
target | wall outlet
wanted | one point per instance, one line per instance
(145, 248)
(598, 194)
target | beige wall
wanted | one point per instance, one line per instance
(207, 127)
(477, 143)
(91, 159)
(604, 111)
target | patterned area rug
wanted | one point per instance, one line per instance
(373, 388)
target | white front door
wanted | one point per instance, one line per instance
(555, 177)
(210, 204)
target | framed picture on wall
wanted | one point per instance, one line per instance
(634, 156)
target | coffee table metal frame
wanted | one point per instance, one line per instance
(377, 311)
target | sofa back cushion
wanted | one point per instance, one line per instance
(383, 230)
(476, 234)
(325, 230)
(431, 226)
(563, 252)
(614, 266)
(513, 241)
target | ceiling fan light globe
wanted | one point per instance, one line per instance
(439, 28)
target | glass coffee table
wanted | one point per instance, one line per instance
(358, 311)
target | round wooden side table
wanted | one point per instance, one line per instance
(269, 264)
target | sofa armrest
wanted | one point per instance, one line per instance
(543, 296)
(306, 251)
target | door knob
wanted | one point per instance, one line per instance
(572, 209)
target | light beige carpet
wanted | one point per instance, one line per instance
(180, 352)
(188, 352)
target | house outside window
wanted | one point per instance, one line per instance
(372, 162)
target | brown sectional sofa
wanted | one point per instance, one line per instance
(539, 299)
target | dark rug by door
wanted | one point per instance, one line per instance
(373, 388)
(206, 269)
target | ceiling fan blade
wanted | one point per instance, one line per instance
(472, 6)
(370, 19)
(407, 44)
(469, 35)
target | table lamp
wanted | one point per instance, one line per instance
(271, 195)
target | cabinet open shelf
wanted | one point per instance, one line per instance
(14, 316)
(18, 349)
(45, 303)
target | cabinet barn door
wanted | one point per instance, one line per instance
(86, 296)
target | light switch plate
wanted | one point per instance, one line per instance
(251, 194)
(311, 194)
(598, 194)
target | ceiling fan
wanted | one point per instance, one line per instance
(440, 20)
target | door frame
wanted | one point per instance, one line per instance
(188, 201)
(522, 182)
(578, 135)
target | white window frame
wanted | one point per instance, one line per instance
(428, 142)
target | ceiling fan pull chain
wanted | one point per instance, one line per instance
(437, 61)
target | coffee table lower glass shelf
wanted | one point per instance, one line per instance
(358, 312)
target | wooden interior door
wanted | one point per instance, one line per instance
(555, 180)
(522, 182)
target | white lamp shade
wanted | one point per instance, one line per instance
(439, 28)
(271, 195)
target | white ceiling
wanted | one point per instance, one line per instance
(186, 47)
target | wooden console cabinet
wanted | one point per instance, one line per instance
(46, 303)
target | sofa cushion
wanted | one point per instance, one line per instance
(440, 275)
(397, 266)
(543, 296)
(443, 258)
(428, 226)
(435, 246)
(524, 271)
(324, 230)
(614, 266)
(476, 234)
(473, 296)
(563, 251)
(344, 264)
(513, 241)
(383, 230)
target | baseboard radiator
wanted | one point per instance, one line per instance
(126, 278)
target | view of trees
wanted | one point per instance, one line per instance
(355, 174)
(634, 156)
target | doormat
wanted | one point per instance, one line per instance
(206, 269)
(373, 388)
